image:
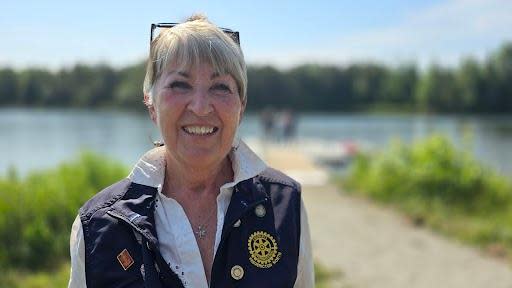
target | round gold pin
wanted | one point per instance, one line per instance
(237, 272)
(260, 211)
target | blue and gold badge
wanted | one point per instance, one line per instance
(263, 249)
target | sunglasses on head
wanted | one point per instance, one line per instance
(233, 34)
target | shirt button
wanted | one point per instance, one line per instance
(260, 211)
(237, 223)
(237, 272)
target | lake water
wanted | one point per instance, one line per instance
(40, 138)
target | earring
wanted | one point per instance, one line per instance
(236, 143)
(156, 143)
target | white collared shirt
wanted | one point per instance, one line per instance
(176, 238)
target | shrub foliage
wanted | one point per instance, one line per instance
(36, 212)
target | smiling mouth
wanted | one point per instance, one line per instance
(200, 130)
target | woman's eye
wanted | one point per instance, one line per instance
(221, 87)
(179, 85)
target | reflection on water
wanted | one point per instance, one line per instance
(33, 139)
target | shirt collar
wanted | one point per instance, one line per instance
(150, 169)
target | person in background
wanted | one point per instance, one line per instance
(289, 125)
(268, 122)
(201, 210)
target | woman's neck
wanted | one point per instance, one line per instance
(181, 180)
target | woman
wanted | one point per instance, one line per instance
(202, 210)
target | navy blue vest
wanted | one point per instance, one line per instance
(260, 250)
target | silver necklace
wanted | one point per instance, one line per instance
(202, 229)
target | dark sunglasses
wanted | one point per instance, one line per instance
(233, 34)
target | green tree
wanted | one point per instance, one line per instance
(8, 86)
(367, 83)
(437, 91)
(128, 92)
(399, 85)
(498, 81)
(269, 87)
(35, 87)
(470, 81)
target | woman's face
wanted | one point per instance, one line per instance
(198, 113)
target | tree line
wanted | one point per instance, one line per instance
(472, 87)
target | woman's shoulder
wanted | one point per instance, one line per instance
(105, 198)
(275, 176)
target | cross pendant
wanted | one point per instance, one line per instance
(201, 232)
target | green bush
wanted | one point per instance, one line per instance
(440, 184)
(36, 212)
(432, 170)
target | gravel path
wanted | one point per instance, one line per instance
(371, 246)
(375, 247)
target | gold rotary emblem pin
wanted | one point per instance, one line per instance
(263, 250)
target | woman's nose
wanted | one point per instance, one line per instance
(200, 103)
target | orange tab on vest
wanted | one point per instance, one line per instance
(125, 259)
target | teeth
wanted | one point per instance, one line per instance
(199, 130)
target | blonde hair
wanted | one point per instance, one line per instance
(195, 41)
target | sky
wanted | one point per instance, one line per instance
(60, 34)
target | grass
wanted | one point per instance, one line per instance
(442, 187)
(18, 278)
(324, 277)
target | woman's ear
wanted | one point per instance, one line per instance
(242, 110)
(151, 108)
